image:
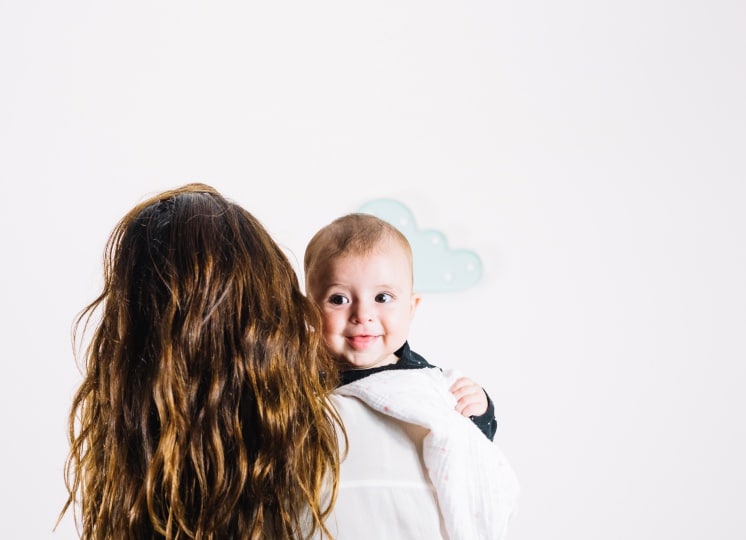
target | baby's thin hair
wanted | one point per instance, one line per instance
(352, 234)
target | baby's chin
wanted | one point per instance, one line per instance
(347, 364)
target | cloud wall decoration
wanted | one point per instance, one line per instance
(437, 268)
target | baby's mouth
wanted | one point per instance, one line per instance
(361, 342)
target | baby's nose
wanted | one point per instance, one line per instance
(363, 312)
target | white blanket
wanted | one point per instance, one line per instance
(476, 488)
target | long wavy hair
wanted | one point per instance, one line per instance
(202, 412)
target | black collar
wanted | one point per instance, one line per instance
(408, 359)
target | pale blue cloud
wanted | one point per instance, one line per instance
(437, 268)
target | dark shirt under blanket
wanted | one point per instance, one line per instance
(408, 359)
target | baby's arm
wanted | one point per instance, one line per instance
(473, 402)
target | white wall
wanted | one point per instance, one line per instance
(592, 153)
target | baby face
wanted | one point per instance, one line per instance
(367, 305)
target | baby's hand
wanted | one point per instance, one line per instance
(470, 397)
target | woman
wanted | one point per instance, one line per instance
(203, 412)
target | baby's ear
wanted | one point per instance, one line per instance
(416, 297)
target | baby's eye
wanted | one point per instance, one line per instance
(338, 299)
(383, 297)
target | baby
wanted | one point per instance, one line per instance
(359, 271)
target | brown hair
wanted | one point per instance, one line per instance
(202, 413)
(351, 234)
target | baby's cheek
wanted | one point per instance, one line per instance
(330, 321)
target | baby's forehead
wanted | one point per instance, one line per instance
(338, 253)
